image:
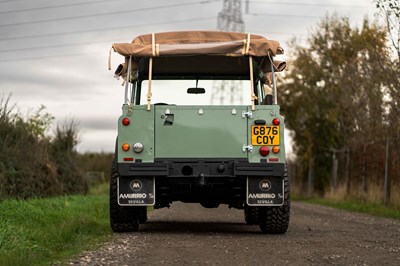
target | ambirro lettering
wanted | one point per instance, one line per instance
(261, 196)
(133, 196)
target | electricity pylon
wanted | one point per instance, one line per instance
(229, 19)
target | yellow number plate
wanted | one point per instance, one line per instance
(265, 135)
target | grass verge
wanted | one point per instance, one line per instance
(43, 231)
(356, 206)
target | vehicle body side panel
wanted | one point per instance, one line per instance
(267, 113)
(140, 129)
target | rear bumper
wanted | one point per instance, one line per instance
(201, 167)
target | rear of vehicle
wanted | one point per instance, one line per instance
(178, 147)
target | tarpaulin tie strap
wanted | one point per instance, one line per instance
(153, 44)
(246, 45)
(155, 47)
(273, 67)
(154, 53)
(109, 59)
(253, 96)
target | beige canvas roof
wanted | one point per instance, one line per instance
(217, 48)
(198, 43)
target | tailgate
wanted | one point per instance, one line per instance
(200, 132)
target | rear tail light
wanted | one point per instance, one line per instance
(264, 151)
(126, 147)
(276, 121)
(276, 149)
(126, 121)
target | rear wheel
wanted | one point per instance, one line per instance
(275, 220)
(251, 215)
(123, 218)
(142, 215)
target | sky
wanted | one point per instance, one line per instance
(54, 52)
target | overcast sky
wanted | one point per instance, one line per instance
(55, 52)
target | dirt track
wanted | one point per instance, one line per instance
(188, 234)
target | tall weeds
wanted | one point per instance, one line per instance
(33, 164)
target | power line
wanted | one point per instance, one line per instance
(5, 1)
(82, 43)
(277, 32)
(60, 33)
(54, 46)
(106, 13)
(283, 15)
(55, 6)
(138, 25)
(308, 4)
(48, 56)
(263, 2)
(103, 29)
(113, 40)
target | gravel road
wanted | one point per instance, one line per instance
(188, 234)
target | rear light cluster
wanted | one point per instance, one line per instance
(276, 149)
(137, 147)
(276, 121)
(126, 121)
(265, 150)
(126, 147)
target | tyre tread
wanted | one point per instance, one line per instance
(275, 220)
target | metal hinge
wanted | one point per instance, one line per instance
(248, 148)
(249, 114)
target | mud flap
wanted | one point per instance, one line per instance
(136, 191)
(265, 191)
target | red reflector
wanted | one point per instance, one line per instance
(264, 151)
(273, 159)
(126, 121)
(276, 122)
(128, 159)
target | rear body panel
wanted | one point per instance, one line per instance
(195, 132)
(200, 132)
(199, 153)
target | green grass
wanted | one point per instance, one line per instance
(43, 231)
(356, 206)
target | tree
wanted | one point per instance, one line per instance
(390, 11)
(334, 91)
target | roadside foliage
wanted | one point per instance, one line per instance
(341, 97)
(32, 164)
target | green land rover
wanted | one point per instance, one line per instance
(173, 145)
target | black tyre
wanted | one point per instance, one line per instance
(251, 215)
(275, 220)
(123, 218)
(142, 215)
